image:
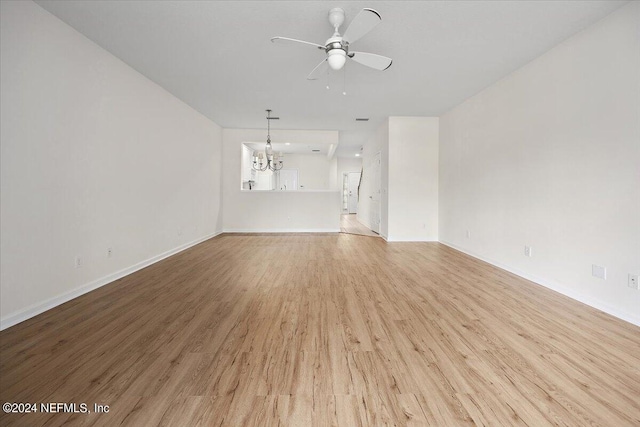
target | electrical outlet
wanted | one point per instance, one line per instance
(78, 261)
(468, 234)
(109, 252)
(633, 281)
(528, 251)
(599, 271)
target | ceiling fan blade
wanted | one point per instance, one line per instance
(372, 60)
(320, 69)
(362, 24)
(288, 40)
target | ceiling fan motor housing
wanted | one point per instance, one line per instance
(336, 17)
(336, 43)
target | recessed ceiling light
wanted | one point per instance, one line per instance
(287, 143)
(357, 154)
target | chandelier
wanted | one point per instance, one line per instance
(268, 159)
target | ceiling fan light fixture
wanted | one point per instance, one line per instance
(337, 47)
(336, 59)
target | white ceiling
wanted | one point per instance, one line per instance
(217, 57)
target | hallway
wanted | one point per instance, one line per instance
(349, 224)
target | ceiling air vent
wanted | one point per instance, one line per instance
(316, 151)
(362, 119)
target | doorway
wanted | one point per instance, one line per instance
(350, 184)
(374, 213)
(349, 222)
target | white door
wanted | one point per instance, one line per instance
(375, 194)
(288, 179)
(354, 181)
(345, 192)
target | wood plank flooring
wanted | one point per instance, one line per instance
(349, 224)
(334, 329)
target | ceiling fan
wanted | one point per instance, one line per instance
(337, 46)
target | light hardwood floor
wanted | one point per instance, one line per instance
(349, 224)
(332, 329)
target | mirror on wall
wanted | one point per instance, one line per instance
(305, 167)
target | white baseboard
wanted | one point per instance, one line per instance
(38, 308)
(564, 290)
(281, 230)
(393, 239)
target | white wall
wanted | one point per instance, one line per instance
(409, 179)
(413, 179)
(549, 157)
(94, 156)
(314, 170)
(268, 211)
(348, 164)
(334, 183)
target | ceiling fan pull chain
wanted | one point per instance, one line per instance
(344, 81)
